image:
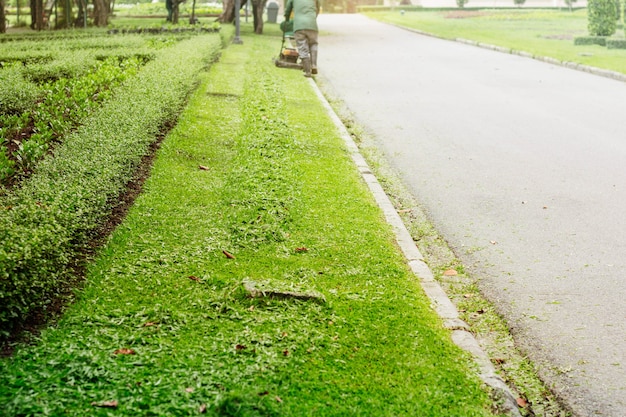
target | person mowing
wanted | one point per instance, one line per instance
(305, 31)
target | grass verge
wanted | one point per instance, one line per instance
(253, 184)
(545, 33)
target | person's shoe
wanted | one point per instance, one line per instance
(313, 71)
(306, 67)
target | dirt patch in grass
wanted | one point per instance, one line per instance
(560, 37)
(464, 14)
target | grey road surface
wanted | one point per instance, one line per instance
(521, 166)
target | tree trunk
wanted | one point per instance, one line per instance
(228, 14)
(36, 14)
(3, 18)
(258, 6)
(100, 13)
(175, 11)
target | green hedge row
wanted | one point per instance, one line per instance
(590, 40)
(616, 43)
(46, 221)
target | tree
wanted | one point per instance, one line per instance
(36, 14)
(101, 11)
(601, 17)
(570, 3)
(258, 7)
(3, 18)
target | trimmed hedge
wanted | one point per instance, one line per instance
(590, 40)
(47, 220)
(616, 44)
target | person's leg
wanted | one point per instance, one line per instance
(312, 36)
(302, 45)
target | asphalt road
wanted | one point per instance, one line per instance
(521, 165)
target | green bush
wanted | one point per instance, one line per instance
(590, 40)
(616, 44)
(51, 216)
(16, 93)
(601, 17)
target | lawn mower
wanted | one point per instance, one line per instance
(288, 56)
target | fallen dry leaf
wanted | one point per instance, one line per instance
(493, 242)
(302, 249)
(468, 295)
(202, 409)
(498, 361)
(450, 272)
(124, 351)
(285, 352)
(189, 389)
(105, 404)
(240, 347)
(228, 254)
(150, 324)
(522, 402)
(194, 278)
(280, 400)
(203, 168)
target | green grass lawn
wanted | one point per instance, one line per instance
(548, 33)
(254, 183)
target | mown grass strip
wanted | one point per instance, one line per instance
(254, 170)
(541, 33)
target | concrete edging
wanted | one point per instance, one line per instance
(618, 76)
(460, 330)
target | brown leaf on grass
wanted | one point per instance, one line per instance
(105, 404)
(189, 389)
(202, 409)
(468, 295)
(203, 168)
(150, 324)
(194, 278)
(493, 242)
(239, 347)
(278, 399)
(302, 249)
(498, 361)
(124, 351)
(450, 273)
(285, 352)
(228, 254)
(522, 402)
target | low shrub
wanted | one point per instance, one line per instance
(17, 94)
(45, 222)
(616, 43)
(590, 40)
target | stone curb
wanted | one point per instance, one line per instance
(440, 302)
